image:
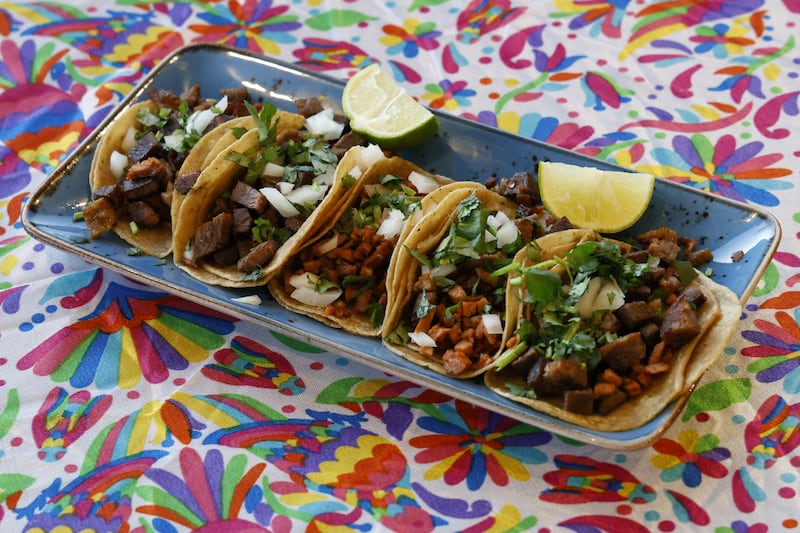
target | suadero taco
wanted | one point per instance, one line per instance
(259, 199)
(136, 161)
(605, 334)
(447, 299)
(341, 277)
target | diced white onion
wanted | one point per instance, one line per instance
(327, 245)
(370, 155)
(327, 176)
(601, 294)
(392, 225)
(174, 141)
(356, 172)
(273, 170)
(129, 141)
(307, 194)
(306, 293)
(285, 187)
(279, 202)
(424, 184)
(507, 233)
(118, 164)
(440, 271)
(323, 125)
(250, 299)
(422, 339)
(309, 296)
(492, 323)
(199, 121)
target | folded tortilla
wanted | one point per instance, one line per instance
(422, 239)
(350, 318)
(218, 178)
(718, 318)
(155, 241)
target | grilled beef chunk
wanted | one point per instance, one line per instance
(113, 193)
(294, 223)
(624, 352)
(522, 365)
(579, 401)
(550, 378)
(562, 224)
(164, 98)
(237, 96)
(606, 404)
(651, 334)
(258, 256)
(100, 216)
(635, 314)
(143, 214)
(527, 229)
(225, 256)
(699, 257)
(250, 197)
(610, 322)
(242, 221)
(308, 106)
(213, 235)
(137, 189)
(681, 323)
(347, 141)
(145, 148)
(185, 182)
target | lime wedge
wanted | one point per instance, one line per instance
(602, 200)
(383, 112)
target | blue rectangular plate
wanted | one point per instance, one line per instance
(462, 150)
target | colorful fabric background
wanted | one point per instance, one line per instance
(123, 408)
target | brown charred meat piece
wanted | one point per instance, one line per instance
(146, 147)
(521, 187)
(700, 257)
(347, 141)
(140, 188)
(213, 235)
(185, 182)
(607, 403)
(237, 96)
(242, 221)
(113, 193)
(100, 215)
(625, 352)
(579, 401)
(249, 197)
(257, 257)
(225, 256)
(143, 214)
(164, 98)
(552, 377)
(308, 106)
(634, 314)
(561, 224)
(294, 223)
(681, 323)
(192, 96)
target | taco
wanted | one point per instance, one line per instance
(134, 167)
(606, 333)
(446, 303)
(340, 278)
(257, 201)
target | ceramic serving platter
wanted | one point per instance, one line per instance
(462, 150)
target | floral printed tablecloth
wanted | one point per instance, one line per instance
(123, 408)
